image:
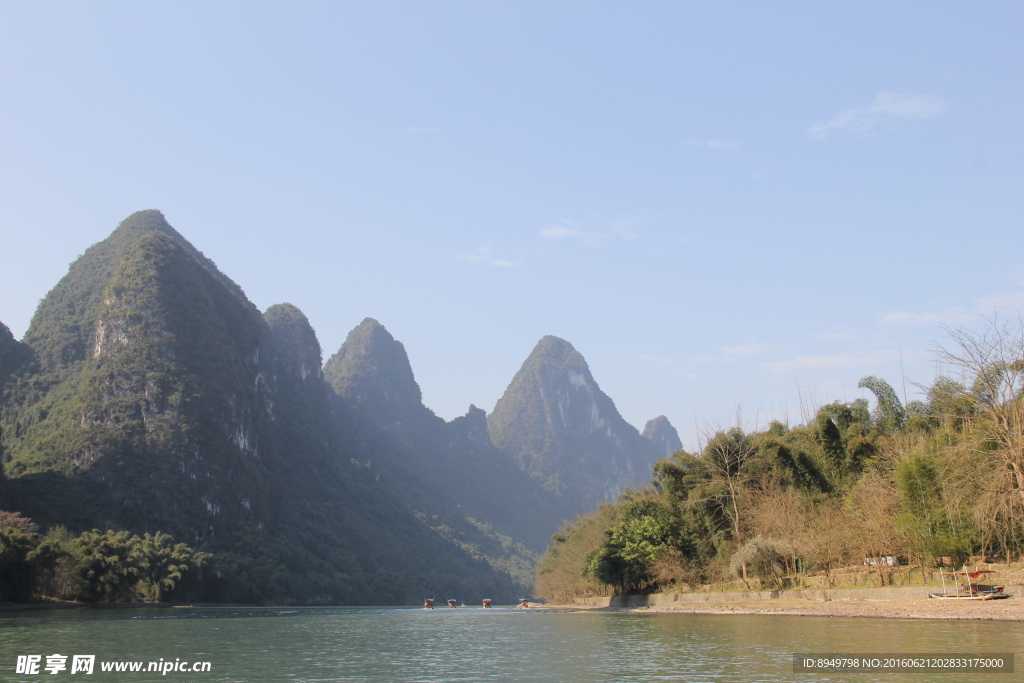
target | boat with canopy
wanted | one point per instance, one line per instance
(969, 585)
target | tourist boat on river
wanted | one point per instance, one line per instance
(969, 587)
(428, 603)
(487, 603)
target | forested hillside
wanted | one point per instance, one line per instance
(934, 481)
(149, 396)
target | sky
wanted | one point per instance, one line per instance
(733, 210)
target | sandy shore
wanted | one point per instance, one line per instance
(1010, 609)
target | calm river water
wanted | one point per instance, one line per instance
(473, 644)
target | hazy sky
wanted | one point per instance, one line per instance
(721, 205)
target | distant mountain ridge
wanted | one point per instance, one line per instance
(565, 432)
(664, 435)
(149, 393)
(372, 369)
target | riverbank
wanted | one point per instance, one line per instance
(32, 606)
(907, 602)
(1010, 609)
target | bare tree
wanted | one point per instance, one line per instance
(716, 479)
(991, 364)
(779, 513)
(872, 506)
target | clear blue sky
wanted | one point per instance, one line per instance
(721, 205)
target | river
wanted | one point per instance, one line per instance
(391, 645)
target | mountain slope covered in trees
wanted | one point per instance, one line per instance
(149, 395)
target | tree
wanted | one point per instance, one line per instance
(991, 361)
(890, 415)
(631, 547)
(843, 434)
(15, 569)
(935, 523)
(765, 558)
(562, 572)
(108, 565)
(715, 480)
(15, 521)
(786, 463)
(163, 566)
(117, 567)
(55, 563)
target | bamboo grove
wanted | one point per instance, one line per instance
(936, 480)
(95, 566)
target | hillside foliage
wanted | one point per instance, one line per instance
(95, 566)
(935, 481)
(149, 393)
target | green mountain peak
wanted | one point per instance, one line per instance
(151, 394)
(664, 435)
(62, 329)
(372, 368)
(563, 430)
(13, 354)
(298, 348)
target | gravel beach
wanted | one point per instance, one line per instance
(1010, 609)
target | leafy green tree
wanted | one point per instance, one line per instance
(938, 528)
(890, 413)
(164, 566)
(715, 481)
(784, 460)
(55, 563)
(843, 431)
(648, 528)
(950, 404)
(561, 572)
(16, 575)
(109, 565)
(116, 567)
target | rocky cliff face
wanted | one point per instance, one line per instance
(472, 427)
(664, 435)
(564, 431)
(298, 349)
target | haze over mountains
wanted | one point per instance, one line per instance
(565, 432)
(150, 394)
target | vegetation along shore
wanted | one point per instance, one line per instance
(161, 439)
(885, 497)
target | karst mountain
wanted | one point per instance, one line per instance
(150, 394)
